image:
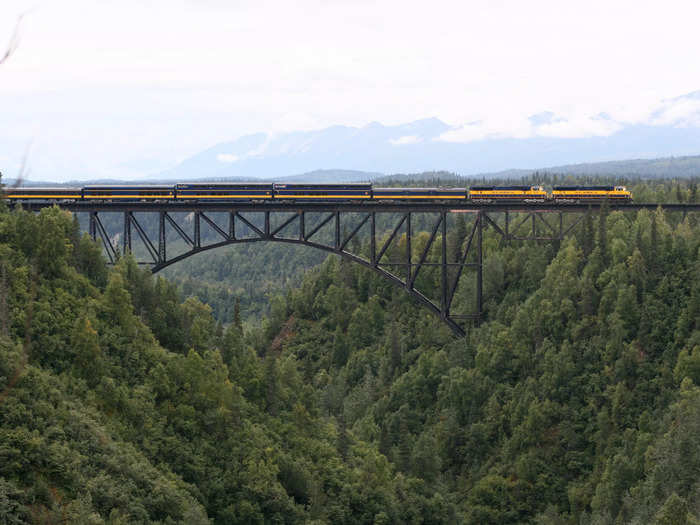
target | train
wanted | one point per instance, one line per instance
(197, 192)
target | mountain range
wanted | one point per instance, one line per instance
(668, 167)
(672, 128)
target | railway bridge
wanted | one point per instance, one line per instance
(403, 242)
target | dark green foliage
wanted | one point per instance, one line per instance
(578, 401)
(555, 411)
(121, 404)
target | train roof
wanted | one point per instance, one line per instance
(351, 186)
(224, 185)
(129, 187)
(8, 189)
(420, 189)
(574, 188)
(512, 188)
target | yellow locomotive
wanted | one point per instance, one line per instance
(578, 194)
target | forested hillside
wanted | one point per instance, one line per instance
(577, 401)
(120, 404)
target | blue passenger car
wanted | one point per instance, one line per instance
(323, 192)
(222, 192)
(420, 193)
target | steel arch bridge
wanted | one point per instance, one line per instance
(151, 229)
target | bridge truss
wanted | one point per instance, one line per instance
(407, 244)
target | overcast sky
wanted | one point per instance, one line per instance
(124, 87)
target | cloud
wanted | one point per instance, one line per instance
(546, 117)
(681, 112)
(227, 158)
(406, 139)
(488, 129)
(545, 124)
(578, 127)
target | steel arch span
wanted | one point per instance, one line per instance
(442, 238)
(390, 232)
(320, 230)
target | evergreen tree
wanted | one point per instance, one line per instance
(88, 356)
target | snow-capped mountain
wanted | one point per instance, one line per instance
(672, 128)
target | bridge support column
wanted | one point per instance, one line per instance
(561, 226)
(337, 230)
(126, 241)
(92, 225)
(302, 226)
(232, 225)
(409, 281)
(373, 239)
(161, 237)
(480, 265)
(443, 280)
(197, 236)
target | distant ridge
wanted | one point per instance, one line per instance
(688, 166)
(312, 177)
(664, 167)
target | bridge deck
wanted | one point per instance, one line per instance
(399, 207)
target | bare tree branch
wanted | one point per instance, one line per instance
(23, 168)
(11, 48)
(14, 41)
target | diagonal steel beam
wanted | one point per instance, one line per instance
(576, 222)
(215, 226)
(495, 226)
(284, 224)
(179, 230)
(354, 232)
(252, 226)
(462, 264)
(319, 226)
(146, 241)
(109, 247)
(539, 216)
(424, 255)
(513, 231)
(390, 239)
